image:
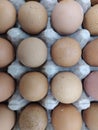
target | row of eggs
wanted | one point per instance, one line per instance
(66, 18)
(64, 117)
(32, 52)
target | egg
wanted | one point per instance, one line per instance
(7, 16)
(32, 52)
(91, 19)
(90, 53)
(36, 21)
(7, 53)
(66, 117)
(33, 117)
(67, 17)
(66, 52)
(91, 84)
(90, 116)
(7, 118)
(66, 87)
(7, 86)
(33, 86)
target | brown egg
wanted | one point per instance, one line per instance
(7, 86)
(90, 53)
(32, 52)
(7, 118)
(93, 2)
(66, 117)
(90, 116)
(66, 87)
(91, 84)
(91, 20)
(33, 117)
(66, 52)
(7, 16)
(6, 53)
(67, 16)
(32, 17)
(33, 86)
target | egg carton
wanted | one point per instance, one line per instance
(81, 69)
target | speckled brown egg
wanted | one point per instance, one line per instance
(66, 117)
(7, 118)
(7, 86)
(33, 117)
(90, 52)
(32, 52)
(7, 53)
(67, 16)
(66, 52)
(32, 17)
(90, 116)
(91, 85)
(91, 20)
(7, 16)
(33, 86)
(66, 87)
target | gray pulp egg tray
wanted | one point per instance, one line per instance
(81, 69)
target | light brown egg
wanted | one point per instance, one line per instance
(67, 16)
(33, 117)
(7, 53)
(32, 52)
(7, 16)
(66, 52)
(33, 86)
(90, 116)
(7, 118)
(7, 86)
(32, 17)
(91, 20)
(66, 87)
(90, 53)
(66, 117)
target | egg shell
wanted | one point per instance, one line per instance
(90, 85)
(7, 16)
(7, 53)
(66, 52)
(90, 116)
(90, 53)
(33, 86)
(66, 117)
(32, 52)
(91, 19)
(66, 87)
(33, 117)
(7, 118)
(36, 21)
(67, 16)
